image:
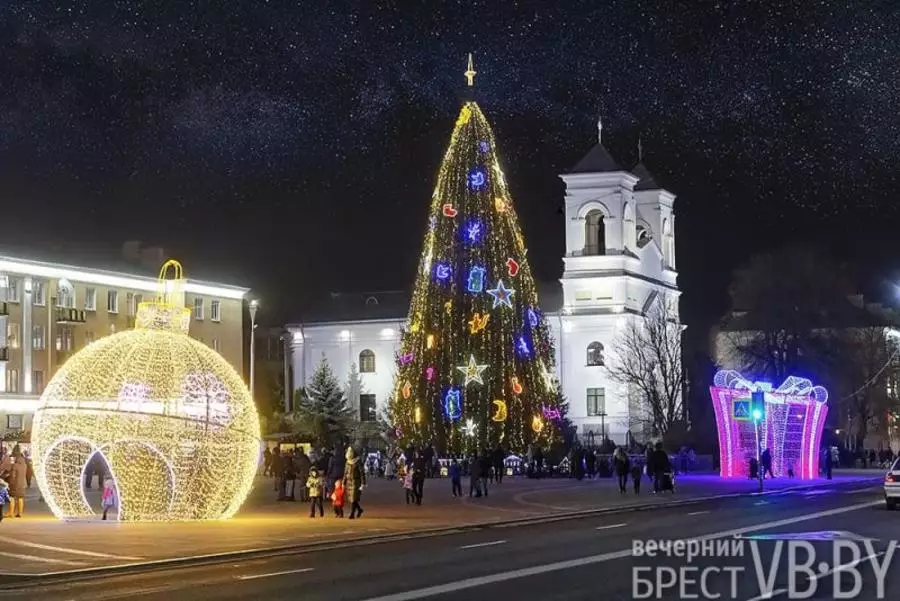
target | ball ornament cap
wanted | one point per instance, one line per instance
(173, 419)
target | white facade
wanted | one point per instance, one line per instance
(620, 257)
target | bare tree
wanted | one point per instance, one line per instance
(647, 360)
(866, 371)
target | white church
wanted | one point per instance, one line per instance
(620, 259)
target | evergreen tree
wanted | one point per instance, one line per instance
(322, 414)
(476, 362)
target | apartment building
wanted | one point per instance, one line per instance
(48, 311)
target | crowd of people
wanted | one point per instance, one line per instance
(16, 474)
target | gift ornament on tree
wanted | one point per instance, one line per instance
(476, 360)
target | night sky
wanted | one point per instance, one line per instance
(292, 146)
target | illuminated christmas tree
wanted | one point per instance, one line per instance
(476, 362)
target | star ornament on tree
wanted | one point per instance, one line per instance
(473, 371)
(470, 427)
(502, 295)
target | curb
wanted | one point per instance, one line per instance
(13, 581)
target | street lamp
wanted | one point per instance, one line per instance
(254, 305)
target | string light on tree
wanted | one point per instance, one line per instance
(475, 238)
(174, 421)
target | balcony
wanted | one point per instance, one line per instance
(64, 315)
(4, 353)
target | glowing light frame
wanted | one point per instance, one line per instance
(174, 421)
(796, 407)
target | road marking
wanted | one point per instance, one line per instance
(611, 526)
(761, 503)
(820, 491)
(40, 559)
(490, 544)
(12, 541)
(859, 490)
(698, 513)
(817, 576)
(284, 573)
(469, 583)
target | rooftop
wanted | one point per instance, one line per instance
(394, 304)
(598, 160)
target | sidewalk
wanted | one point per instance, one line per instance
(38, 543)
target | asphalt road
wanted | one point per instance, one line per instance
(588, 558)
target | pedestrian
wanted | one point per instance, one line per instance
(661, 465)
(475, 476)
(314, 484)
(485, 471)
(337, 499)
(623, 469)
(455, 478)
(110, 497)
(408, 485)
(637, 475)
(4, 496)
(267, 461)
(15, 468)
(354, 482)
(421, 470)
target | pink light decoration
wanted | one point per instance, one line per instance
(407, 358)
(551, 413)
(792, 430)
(429, 373)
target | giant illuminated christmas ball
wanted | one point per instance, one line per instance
(174, 421)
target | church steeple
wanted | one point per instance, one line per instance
(471, 72)
(598, 160)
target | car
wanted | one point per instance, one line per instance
(892, 486)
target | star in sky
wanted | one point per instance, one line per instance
(473, 371)
(502, 295)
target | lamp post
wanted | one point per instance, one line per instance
(254, 305)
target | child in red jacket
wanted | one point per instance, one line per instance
(337, 498)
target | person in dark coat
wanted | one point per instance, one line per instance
(767, 464)
(485, 461)
(475, 477)
(354, 481)
(622, 468)
(303, 465)
(420, 468)
(498, 458)
(661, 463)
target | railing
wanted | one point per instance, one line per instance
(65, 315)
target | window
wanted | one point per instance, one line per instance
(89, 337)
(133, 300)
(37, 381)
(367, 411)
(12, 290)
(595, 354)
(214, 312)
(367, 362)
(65, 339)
(594, 233)
(37, 337)
(12, 380)
(12, 334)
(37, 293)
(596, 401)
(215, 344)
(112, 301)
(90, 299)
(65, 297)
(198, 308)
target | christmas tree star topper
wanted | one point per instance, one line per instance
(473, 371)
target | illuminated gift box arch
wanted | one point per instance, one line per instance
(174, 421)
(791, 430)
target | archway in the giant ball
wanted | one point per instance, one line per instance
(144, 479)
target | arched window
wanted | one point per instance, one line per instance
(367, 362)
(668, 246)
(629, 226)
(595, 354)
(594, 233)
